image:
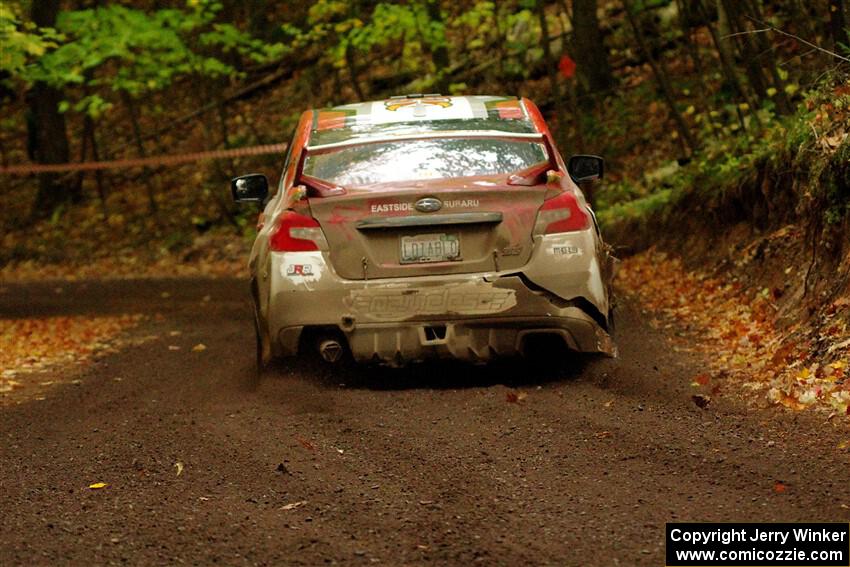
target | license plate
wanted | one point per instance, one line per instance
(429, 248)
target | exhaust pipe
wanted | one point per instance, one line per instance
(330, 350)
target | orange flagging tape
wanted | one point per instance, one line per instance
(27, 169)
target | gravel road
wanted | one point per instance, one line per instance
(426, 465)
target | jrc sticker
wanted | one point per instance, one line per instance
(565, 250)
(299, 270)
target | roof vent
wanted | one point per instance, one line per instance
(414, 95)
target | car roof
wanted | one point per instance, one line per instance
(413, 115)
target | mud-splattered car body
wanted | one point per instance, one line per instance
(427, 226)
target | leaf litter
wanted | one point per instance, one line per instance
(30, 347)
(745, 351)
(515, 397)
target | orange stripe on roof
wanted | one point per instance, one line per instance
(509, 110)
(330, 119)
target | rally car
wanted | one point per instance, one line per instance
(427, 226)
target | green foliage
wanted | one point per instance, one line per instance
(22, 42)
(331, 25)
(390, 23)
(732, 155)
(407, 35)
(522, 32)
(115, 48)
(477, 25)
(638, 209)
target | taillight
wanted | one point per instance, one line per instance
(297, 233)
(561, 214)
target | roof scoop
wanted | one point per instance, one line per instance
(414, 95)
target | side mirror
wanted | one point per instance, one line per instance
(251, 188)
(585, 168)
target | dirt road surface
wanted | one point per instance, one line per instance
(430, 464)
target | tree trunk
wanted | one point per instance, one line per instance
(837, 24)
(500, 47)
(353, 73)
(221, 202)
(47, 134)
(685, 18)
(140, 149)
(354, 10)
(225, 141)
(756, 53)
(591, 55)
(440, 53)
(728, 66)
(549, 61)
(98, 174)
(84, 151)
(572, 86)
(259, 23)
(728, 13)
(4, 157)
(661, 76)
(766, 53)
(800, 11)
(724, 43)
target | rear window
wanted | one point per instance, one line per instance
(415, 160)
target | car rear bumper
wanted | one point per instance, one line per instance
(472, 340)
(468, 316)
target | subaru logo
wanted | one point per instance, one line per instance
(428, 205)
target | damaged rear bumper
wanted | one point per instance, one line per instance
(473, 317)
(474, 340)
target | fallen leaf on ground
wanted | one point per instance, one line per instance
(838, 346)
(780, 487)
(603, 434)
(788, 401)
(735, 326)
(702, 379)
(98, 485)
(31, 346)
(306, 444)
(293, 505)
(9, 385)
(515, 397)
(200, 347)
(179, 466)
